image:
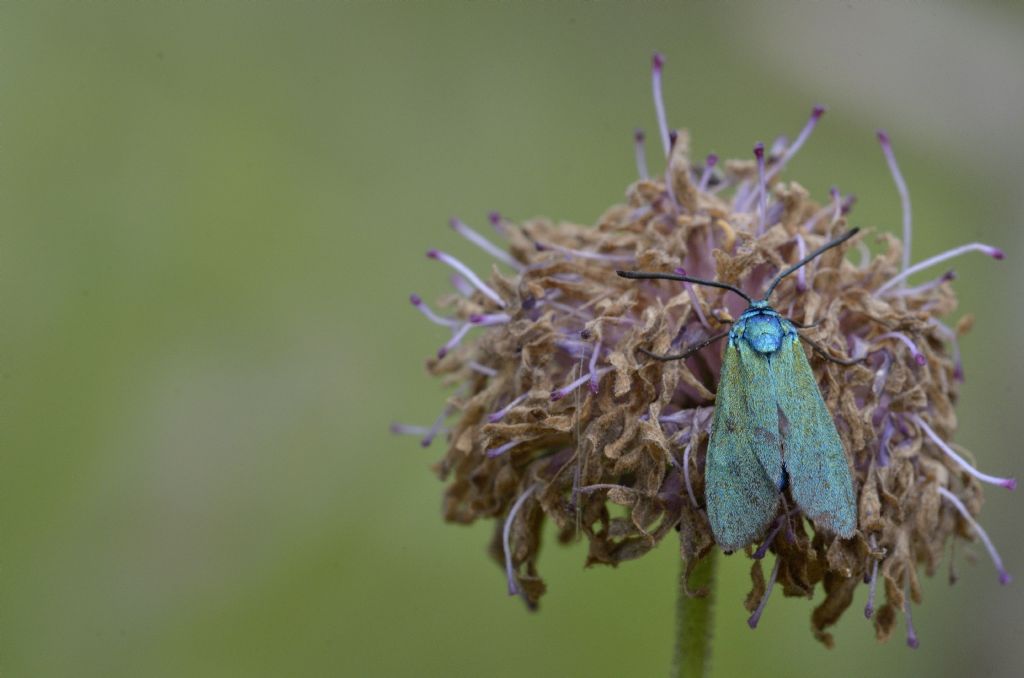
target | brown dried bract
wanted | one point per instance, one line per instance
(622, 466)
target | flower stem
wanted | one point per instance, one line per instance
(694, 621)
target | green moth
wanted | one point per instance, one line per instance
(771, 428)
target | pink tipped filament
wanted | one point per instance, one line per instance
(914, 350)
(640, 153)
(1004, 576)
(593, 367)
(812, 122)
(483, 243)
(472, 277)
(657, 61)
(756, 616)
(993, 252)
(506, 533)
(497, 416)
(709, 165)
(1008, 483)
(911, 633)
(762, 184)
(901, 187)
(566, 390)
(418, 302)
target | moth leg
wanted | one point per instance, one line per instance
(823, 352)
(688, 352)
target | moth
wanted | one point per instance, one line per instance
(771, 427)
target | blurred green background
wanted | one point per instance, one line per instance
(212, 215)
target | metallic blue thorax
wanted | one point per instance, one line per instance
(762, 328)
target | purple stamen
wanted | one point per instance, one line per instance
(684, 417)
(848, 203)
(436, 427)
(1008, 483)
(709, 166)
(762, 208)
(483, 243)
(461, 285)
(762, 550)
(487, 319)
(837, 203)
(919, 357)
(501, 449)
(576, 349)
(497, 416)
(925, 287)
(912, 641)
(496, 222)
(583, 254)
(686, 470)
(756, 617)
(669, 190)
(881, 374)
(883, 443)
(593, 367)
(457, 336)
(812, 122)
(409, 430)
(418, 302)
(657, 61)
(566, 390)
(901, 187)
(681, 417)
(640, 153)
(869, 608)
(744, 193)
(1004, 576)
(506, 532)
(993, 252)
(694, 300)
(482, 369)
(778, 146)
(473, 279)
(774, 213)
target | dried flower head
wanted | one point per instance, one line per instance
(561, 416)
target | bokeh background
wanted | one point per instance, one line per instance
(212, 215)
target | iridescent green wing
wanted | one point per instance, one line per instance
(741, 497)
(812, 452)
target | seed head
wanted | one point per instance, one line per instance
(560, 414)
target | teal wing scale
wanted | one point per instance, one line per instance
(812, 452)
(742, 499)
(763, 412)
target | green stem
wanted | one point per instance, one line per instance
(694, 621)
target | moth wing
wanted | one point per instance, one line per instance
(741, 498)
(813, 455)
(763, 411)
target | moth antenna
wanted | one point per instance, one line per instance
(643, 275)
(823, 352)
(813, 255)
(806, 326)
(688, 352)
